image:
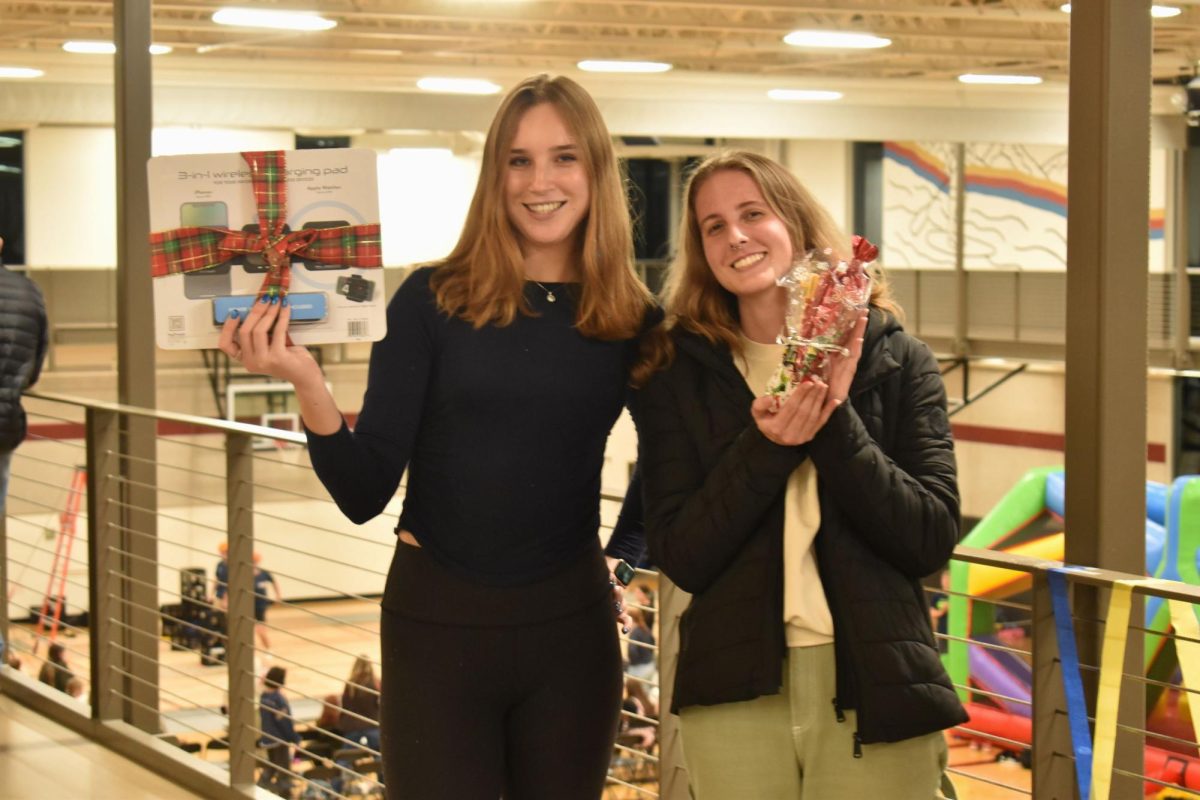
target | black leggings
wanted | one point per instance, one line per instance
(528, 711)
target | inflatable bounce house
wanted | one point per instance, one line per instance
(1028, 521)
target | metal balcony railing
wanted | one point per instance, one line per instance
(170, 673)
(168, 660)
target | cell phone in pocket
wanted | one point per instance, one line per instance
(214, 281)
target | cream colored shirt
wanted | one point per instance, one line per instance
(805, 610)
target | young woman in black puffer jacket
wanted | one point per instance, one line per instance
(807, 666)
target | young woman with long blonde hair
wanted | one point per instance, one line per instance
(359, 718)
(504, 367)
(807, 667)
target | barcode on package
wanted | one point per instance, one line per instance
(356, 327)
(175, 323)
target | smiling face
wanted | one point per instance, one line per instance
(746, 244)
(546, 188)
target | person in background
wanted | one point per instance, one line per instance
(75, 689)
(278, 733)
(55, 671)
(644, 597)
(504, 368)
(262, 601)
(8, 656)
(638, 701)
(807, 666)
(24, 337)
(330, 720)
(220, 591)
(642, 661)
(359, 720)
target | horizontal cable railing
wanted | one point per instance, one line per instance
(182, 584)
(205, 573)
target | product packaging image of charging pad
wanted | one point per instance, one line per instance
(356, 288)
(207, 228)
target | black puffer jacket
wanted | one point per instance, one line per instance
(23, 339)
(714, 489)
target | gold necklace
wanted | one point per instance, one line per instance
(549, 294)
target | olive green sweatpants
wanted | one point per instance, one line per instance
(790, 746)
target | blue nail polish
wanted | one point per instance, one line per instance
(274, 299)
(283, 302)
(234, 313)
(265, 299)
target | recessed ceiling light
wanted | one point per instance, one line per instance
(623, 66)
(1162, 12)
(838, 39)
(20, 72)
(107, 48)
(803, 94)
(90, 48)
(1000, 80)
(458, 85)
(271, 18)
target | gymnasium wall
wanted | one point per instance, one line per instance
(428, 165)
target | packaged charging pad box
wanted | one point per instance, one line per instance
(327, 188)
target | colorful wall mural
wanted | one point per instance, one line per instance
(919, 185)
(1014, 206)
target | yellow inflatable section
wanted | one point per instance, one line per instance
(995, 583)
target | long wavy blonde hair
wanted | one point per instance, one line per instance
(692, 297)
(482, 280)
(362, 678)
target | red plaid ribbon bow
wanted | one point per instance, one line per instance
(190, 249)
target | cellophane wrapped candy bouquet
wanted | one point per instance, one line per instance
(826, 296)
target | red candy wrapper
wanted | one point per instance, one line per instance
(825, 299)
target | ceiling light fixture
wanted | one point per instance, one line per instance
(1000, 80)
(1160, 12)
(836, 39)
(107, 48)
(90, 48)
(20, 72)
(457, 86)
(271, 18)
(623, 66)
(803, 95)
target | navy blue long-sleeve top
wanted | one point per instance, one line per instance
(502, 430)
(275, 720)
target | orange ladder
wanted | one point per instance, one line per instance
(62, 559)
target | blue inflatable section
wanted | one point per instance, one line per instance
(1156, 502)
(1156, 519)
